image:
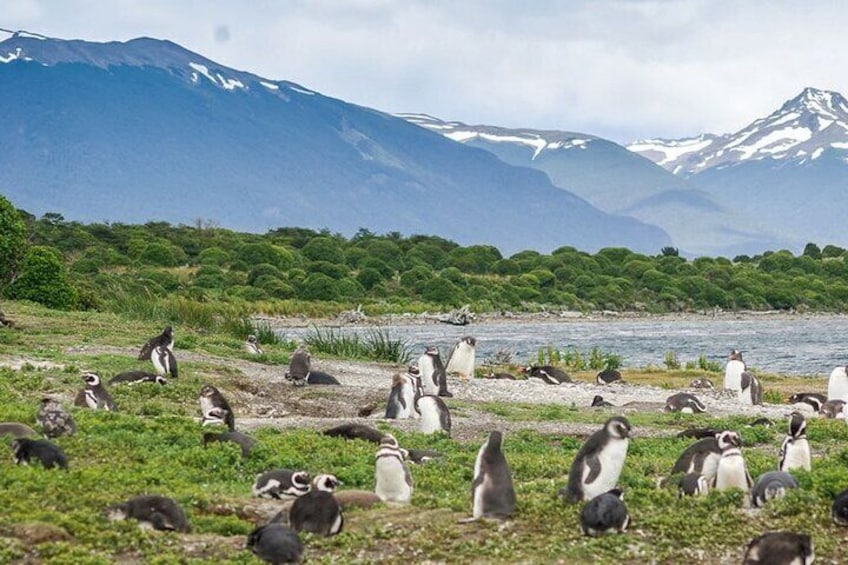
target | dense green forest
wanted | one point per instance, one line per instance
(288, 271)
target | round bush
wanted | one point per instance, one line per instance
(44, 279)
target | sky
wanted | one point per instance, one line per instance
(620, 69)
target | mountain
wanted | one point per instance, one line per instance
(617, 181)
(788, 169)
(147, 130)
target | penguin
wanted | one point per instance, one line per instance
(215, 409)
(321, 378)
(731, 471)
(434, 414)
(693, 484)
(318, 511)
(733, 371)
(151, 511)
(604, 514)
(55, 421)
(599, 402)
(812, 399)
(244, 441)
(839, 510)
(392, 481)
(833, 409)
(27, 450)
(95, 395)
(837, 384)
(702, 382)
(16, 430)
(764, 422)
(401, 403)
(299, 366)
(780, 548)
(165, 339)
(492, 492)
(548, 374)
(500, 376)
(699, 433)
(356, 431)
(164, 361)
(251, 346)
(771, 486)
(607, 376)
(684, 403)
(428, 364)
(795, 450)
(702, 457)
(281, 484)
(420, 456)
(275, 543)
(135, 377)
(751, 391)
(598, 463)
(461, 357)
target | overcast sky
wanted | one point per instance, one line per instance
(619, 69)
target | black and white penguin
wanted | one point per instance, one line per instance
(275, 543)
(401, 403)
(685, 403)
(839, 510)
(299, 366)
(318, 511)
(434, 415)
(321, 378)
(780, 548)
(813, 400)
(702, 382)
(731, 471)
(164, 361)
(281, 484)
(492, 492)
(608, 376)
(55, 421)
(215, 409)
(833, 409)
(27, 451)
(605, 514)
(699, 433)
(598, 463)
(421, 456)
(701, 458)
(462, 357)
(428, 374)
(771, 486)
(165, 339)
(95, 395)
(547, 374)
(733, 371)
(599, 402)
(251, 346)
(693, 484)
(500, 376)
(136, 377)
(837, 384)
(392, 480)
(16, 430)
(151, 511)
(764, 422)
(752, 391)
(356, 431)
(244, 441)
(795, 450)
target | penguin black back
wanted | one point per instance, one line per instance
(275, 544)
(135, 377)
(356, 431)
(317, 511)
(27, 451)
(165, 339)
(158, 512)
(780, 548)
(492, 491)
(839, 510)
(603, 514)
(244, 441)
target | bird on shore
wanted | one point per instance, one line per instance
(839, 509)
(702, 458)
(251, 346)
(401, 403)
(461, 357)
(607, 376)
(300, 366)
(165, 339)
(833, 409)
(684, 403)
(837, 384)
(751, 391)
(733, 371)
(355, 431)
(547, 374)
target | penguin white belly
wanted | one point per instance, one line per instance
(477, 511)
(797, 455)
(837, 385)
(462, 361)
(430, 422)
(745, 396)
(157, 364)
(391, 485)
(611, 459)
(425, 373)
(731, 473)
(733, 375)
(710, 466)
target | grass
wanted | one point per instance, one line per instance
(374, 345)
(153, 446)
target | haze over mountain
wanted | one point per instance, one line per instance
(147, 130)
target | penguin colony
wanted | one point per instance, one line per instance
(715, 461)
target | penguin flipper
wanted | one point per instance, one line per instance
(594, 465)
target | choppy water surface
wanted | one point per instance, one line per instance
(794, 345)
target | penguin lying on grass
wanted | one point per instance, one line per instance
(604, 514)
(28, 451)
(275, 544)
(151, 511)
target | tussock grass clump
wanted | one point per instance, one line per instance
(373, 344)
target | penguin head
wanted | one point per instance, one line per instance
(91, 379)
(618, 427)
(728, 440)
(251, 338)
(599, 399)
(495, 439)
(300, 479)
(735, 355)
(160, 380)
(389, 441)
(326, 483)
(471, 341)
(117, 512)
(413, 370)
(617, 492)
(208, 390)
(432, 350)
(774, 490)
(797, 425)
(168, 332)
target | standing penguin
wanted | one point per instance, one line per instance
(164, 361)
(751, 391)
(780, 548)
(733, 371)
(434, 413)
(427, 365)
(281, 484)
(215, 409)
(318, 511)
(839, 510)
(700, 458)
(54, 419)
(27, 450)
(604, 514)
(151, 511)
(165, 339)
(599, 461)
(795, 451)
(462, 356)
(392, 481)
(693, 484)
(95, 395)
(837, 385)
(275, 543)
(299, 366)
(731, 471)
(684, 403)
(492, 493)
(771, 486)
(401, 404)
(251, 346)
